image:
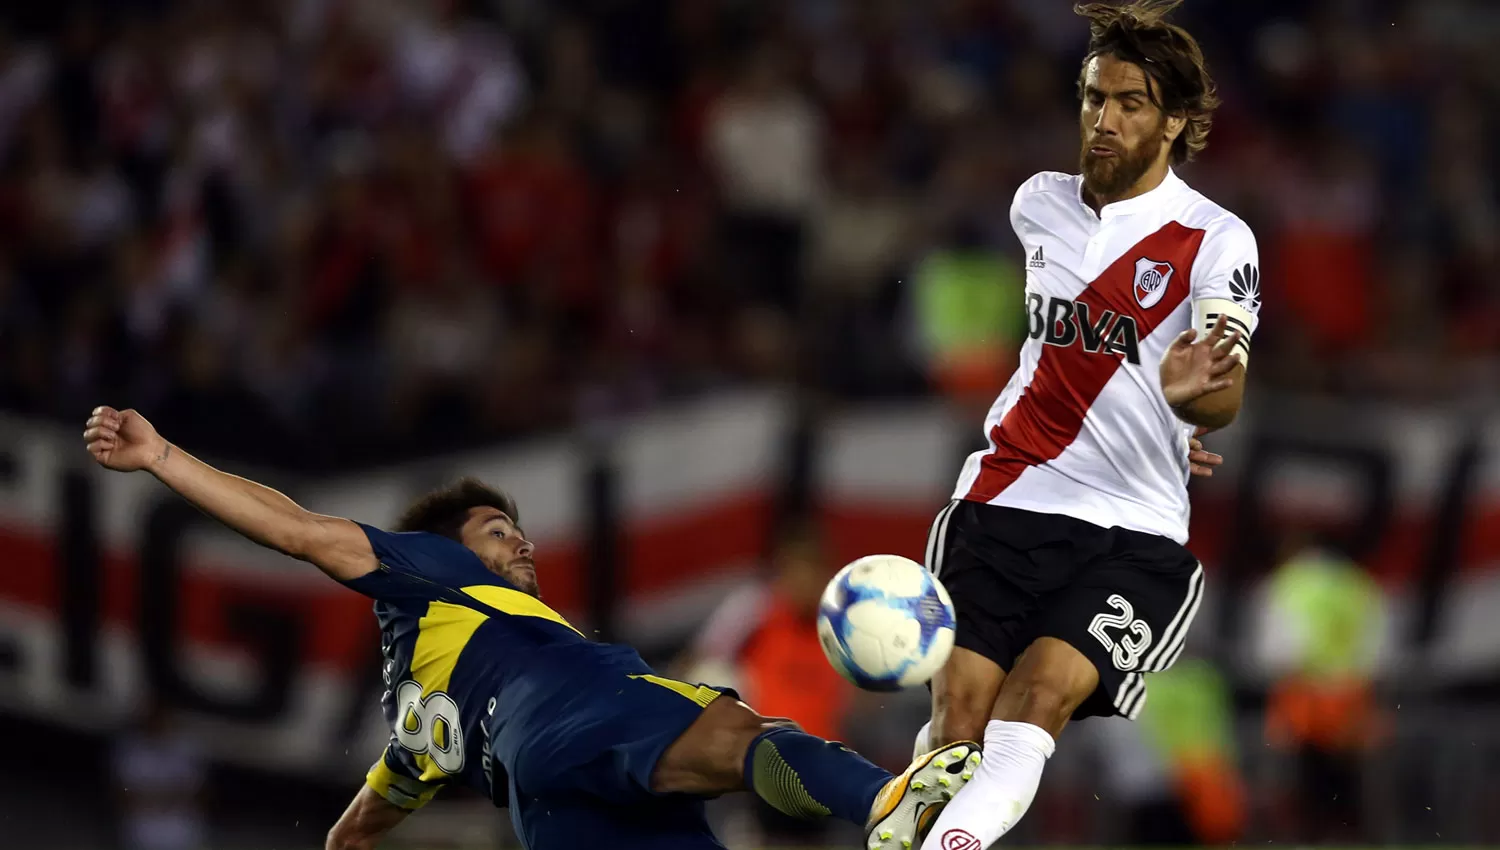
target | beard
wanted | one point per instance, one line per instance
(523, 578)
(1108, 177)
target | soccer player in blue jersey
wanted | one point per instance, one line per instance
(488, 687)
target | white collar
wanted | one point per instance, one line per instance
(1170, 185)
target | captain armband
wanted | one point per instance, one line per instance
(400, 791)
(1206, 313)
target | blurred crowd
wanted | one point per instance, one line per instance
(319, 232)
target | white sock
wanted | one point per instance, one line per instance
(923, 744)
(1001, 790)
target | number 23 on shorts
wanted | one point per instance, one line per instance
(1134, 636)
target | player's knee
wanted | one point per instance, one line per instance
(958, 714)
(1041, 702)
(709, 758)
(734, 737)
(737, 733)
(1046, 691)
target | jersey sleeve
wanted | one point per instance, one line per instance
(418, 566)
(1022, 204)
(1017, 213)
(1226, 281)
(395, 777)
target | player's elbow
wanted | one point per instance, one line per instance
(303, 536)
(353, 833)
(335, 545)
(367, 820)
(1210, 417)
(1212, 411)
(342, 838)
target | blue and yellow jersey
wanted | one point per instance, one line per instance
(475, 669)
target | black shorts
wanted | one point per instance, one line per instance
(608, 737)
(587, 781)
(1125, 599)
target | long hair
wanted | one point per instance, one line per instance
(1167, 54)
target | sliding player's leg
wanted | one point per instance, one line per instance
(633, 739)
(731, 748)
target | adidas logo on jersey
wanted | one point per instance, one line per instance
(1073, 322)
(1037, 261)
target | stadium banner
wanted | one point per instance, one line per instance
(113, 587)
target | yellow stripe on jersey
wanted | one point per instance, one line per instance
(400, 791)
(515, 602)
(424, 727)
(442, 635)
(429, 726)
(697, 693)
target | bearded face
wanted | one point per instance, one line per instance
(1123, 134)
(1110, 167)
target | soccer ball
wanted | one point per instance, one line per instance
(886, 623)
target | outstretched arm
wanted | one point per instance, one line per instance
(366, 821)
(124, 441)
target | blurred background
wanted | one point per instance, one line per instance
(719, 289)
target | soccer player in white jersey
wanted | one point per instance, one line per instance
(1063, 545)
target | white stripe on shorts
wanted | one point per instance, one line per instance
(1167, 662)
(1131, 696)
(937, 537)
(1176, 632)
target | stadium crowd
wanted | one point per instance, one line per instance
(354, 228)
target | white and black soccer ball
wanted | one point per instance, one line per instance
(886, 623)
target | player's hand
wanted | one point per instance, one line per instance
(1192, 369)
(123, 440)
(1202, 462)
